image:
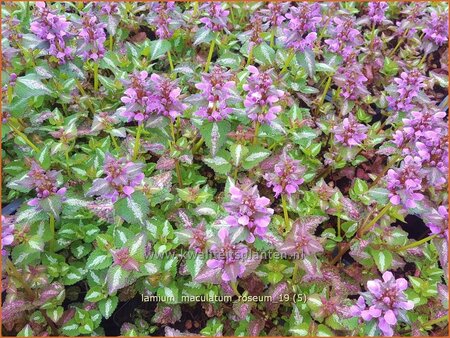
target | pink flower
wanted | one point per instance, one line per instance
(249, 210)
(286, 177)
(350, 133)
(387, 302)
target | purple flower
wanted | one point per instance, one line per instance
(53, 29)
(409, 84)
(437, 28)
(262, 96)
(351, 80)
(437, 221)
(194, 236)
(229, 257)
(136, 97)
(7, 233)
(94, 36)
(122, 177)
(300, 32)
(377, 10)
(103, 209)
(124, 260)
(350, 132)
(286, 176)
(44, 182)
(273, 14)
(248, 209)
(166, 314)
(216, 88)
(165, 97)
(109, 8)
(343, 35)
(387, 302)
(301, 239)
(405, 183)
(216, 16)
(165, 17)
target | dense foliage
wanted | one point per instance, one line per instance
(224, 168)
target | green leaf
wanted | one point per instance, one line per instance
(133, 209)
(98, 260)
(52, 205)
(30, 86)
(215, 135)
(159, 48)
(43, 157)
(55, 314)
(380, 195)
(390, 67)
(307, 61)
(230, 60)
(238, 152)
(382, 258)
(255, 156)
(74, 275)
(117, 278)
(94, 294)
(300, 330)
(324, 331)
(203, 35)
(107, 306)
(219, 164)
(360, 186)
(264, 54)
(27, 331)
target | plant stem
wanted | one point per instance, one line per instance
(195, 9)
(96, 76)
(288, 61)
(285, 212)
(272, 38)
(81, 89)
(198, 145)
(255, 137)
(111, 42)
(137, 141)
(416, 244)
(10, 93)
(435, 321)
(369, 225)
(211, 51)
(339, 226)
(24, 137)
(177, 169)
(235, 289)
(114, 141)
(325, 91)
(52, 231)
(250, 55)
(169, 56)
(12, 271)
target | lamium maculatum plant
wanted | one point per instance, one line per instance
(213, 168)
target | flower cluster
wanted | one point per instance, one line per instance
(216, 88)
(136, 97)
(215, 16)
(44, 182)
(405, 183)
(122, 177)
(409, 85)
(386, 302)
(164, 16)
(7, 233)
(93, 34)
(229, 256)
(300, 32)
(287, 176)
(350, 132)
(351, 80)
(249, 210)
(165, 97)
(262, 96)
(55, 30)
(377, 11)
(437, 28)
(344, 36)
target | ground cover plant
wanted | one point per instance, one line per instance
(224, 169)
